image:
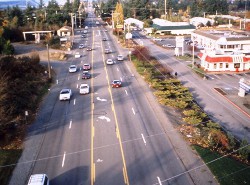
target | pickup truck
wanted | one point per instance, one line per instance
(65, 94)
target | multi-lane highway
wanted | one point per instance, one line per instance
(111, 136)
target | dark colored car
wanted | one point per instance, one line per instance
(104, 39)
(86, 75)
(89, 49)
(107, 51)
(116, 83)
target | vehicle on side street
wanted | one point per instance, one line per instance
(72, 68)
(86, 67)
(109, 61)
(65, 94)
(120, 58)
(116, 83)
(104, 39)
(86, 75)
(107, 51)
(84, 89)
(38, 179)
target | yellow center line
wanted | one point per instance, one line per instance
(92, 119)
(125, 174)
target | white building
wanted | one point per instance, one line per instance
(196, 21)
(224, 51)
(163, 26)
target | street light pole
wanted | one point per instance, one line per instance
(48, 62)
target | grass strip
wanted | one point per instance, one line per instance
(226, 170)
(8, 157)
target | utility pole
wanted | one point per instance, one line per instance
(165, 9)
(48, 62)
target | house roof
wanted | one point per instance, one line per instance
(65, 28)
(169, 28)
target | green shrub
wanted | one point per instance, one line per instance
(245, 149)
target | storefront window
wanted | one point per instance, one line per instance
(214, 66)
(221, 65)
(227, 65)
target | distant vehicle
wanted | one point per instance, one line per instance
(89, 49)
(85, 31)
(84, 89)
(104, 39)
(86, 27)
(86, 75)
(77, 55)
(107, 51)
(81, 46)
(109, 61)
(84, 36)
(168, 46)
(65, 94)
(97, 23)
(116, 83)
(86, 67)
(38, 179)
(120, 58)
(72, 68)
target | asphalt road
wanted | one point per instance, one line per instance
(110, 136)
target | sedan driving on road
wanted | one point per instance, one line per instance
(116, 83)
(65, 94)
(120, 58)
(86, 75)
(72, 68)
(107, 51)
(84, 89)
(110, 62)
(86, 67)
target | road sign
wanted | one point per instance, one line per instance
(119, 26)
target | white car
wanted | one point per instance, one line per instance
(84, 89)
(65, 94)
(110, 62)
(77, 55)
(72, 68)
(38, 179)
(120, 58)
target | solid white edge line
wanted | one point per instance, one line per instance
(64, 155)
(133, 110)
(126, 92)
(70, 123)
(143, 139)
(159, 180)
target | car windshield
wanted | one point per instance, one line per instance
(64, 91)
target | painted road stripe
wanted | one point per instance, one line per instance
(64, 155)
(159, 180)
(117, 69)
(77, 86)
(126, 92)
(143, 139)
(121, 79)
(74, 101)
(70, 123)
(133, 110)
(78, 77)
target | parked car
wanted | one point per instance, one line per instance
(72, 68)
(86, 75)
(84, 36)
(120, 58)
(65, 94)
(109, 61)
(107, 51)
(86, 67)
(104, 39)
(84, 89)
(116, 83)
(38, 179)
